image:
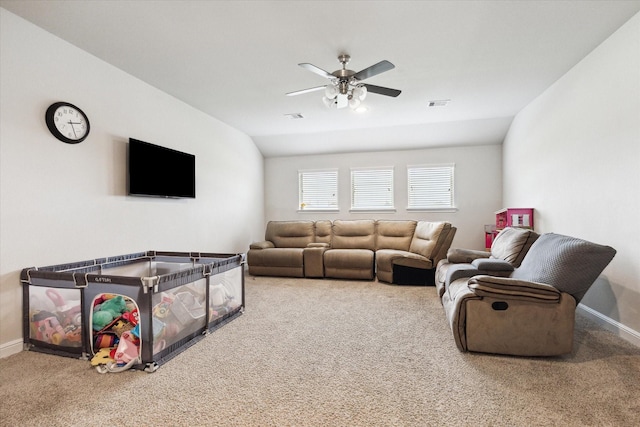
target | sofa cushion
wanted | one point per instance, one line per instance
(512, 244)
(394, 234)
(353, 234)
(323, 231)
(349, 263)
(290, 234)
(425, 238)
(569, 264)
(276, 257)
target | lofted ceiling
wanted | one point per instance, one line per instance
(235, 60)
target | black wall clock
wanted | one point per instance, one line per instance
(67, 122)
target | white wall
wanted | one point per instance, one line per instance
(574, 155)
(478, 186)
(65, 203)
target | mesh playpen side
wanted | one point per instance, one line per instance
(136, 310)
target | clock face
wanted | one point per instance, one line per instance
(67, 122)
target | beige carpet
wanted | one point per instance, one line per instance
(334, 353)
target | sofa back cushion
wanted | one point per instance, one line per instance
(428, 237)
(290, 234)
(353, 234)
(323, 231)
(512, 244)
(569, 264)
(394, 234)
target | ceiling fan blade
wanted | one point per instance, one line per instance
(300, 92)
(314, 69)
(374, 70)
(383, 90)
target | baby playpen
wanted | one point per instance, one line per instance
(130, 311)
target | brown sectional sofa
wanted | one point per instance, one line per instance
(402, 252)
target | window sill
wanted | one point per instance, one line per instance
(432, 209)
(317, 210)
(389, 210)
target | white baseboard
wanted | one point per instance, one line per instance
(611, 325)
(10, 348)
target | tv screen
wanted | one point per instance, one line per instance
(157, 171)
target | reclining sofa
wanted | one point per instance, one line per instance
(400, 252)
(520, 299)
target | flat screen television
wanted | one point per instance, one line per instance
(156, 171)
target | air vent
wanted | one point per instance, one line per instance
(294, 116)
(439, 103)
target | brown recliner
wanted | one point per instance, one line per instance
(531, 312)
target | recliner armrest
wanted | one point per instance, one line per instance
(465, 256)
(459, 271)
(507, 288)
(262, 245)
(492, 264)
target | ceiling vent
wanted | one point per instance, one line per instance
(294, 116)
(439, 103)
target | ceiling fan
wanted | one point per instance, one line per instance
(346, 87)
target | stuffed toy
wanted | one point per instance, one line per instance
(45, 327)
(68, 313)
(107, 311)
(121, 326)
(102, 357)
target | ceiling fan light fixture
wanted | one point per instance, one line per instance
(345, 86)
(331, 91)
(360, 92)
(330, 102)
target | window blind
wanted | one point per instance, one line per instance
(318, 190)
(372, 188)
(430, 187)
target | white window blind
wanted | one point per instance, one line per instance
(372, 189)
(318, 190)
(430, 187)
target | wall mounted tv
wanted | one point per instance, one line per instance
(156, 171)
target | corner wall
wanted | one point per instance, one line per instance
(478, 187)
(64, 203)
(574, 155)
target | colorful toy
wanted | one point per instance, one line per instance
(68, 314)
(121, 326)
(105, 340)
(45, 327)
(127, 348)
(107, 311)
(102, 357)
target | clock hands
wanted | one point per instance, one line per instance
(73, 128)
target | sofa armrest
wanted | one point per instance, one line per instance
(493, 265)
(507, 288)
(465, 256)
(262, 245)
(318, 245)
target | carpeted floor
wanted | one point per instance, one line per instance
(334, 353)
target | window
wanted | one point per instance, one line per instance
(430, 187)
(372, 189)
(318, 190)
